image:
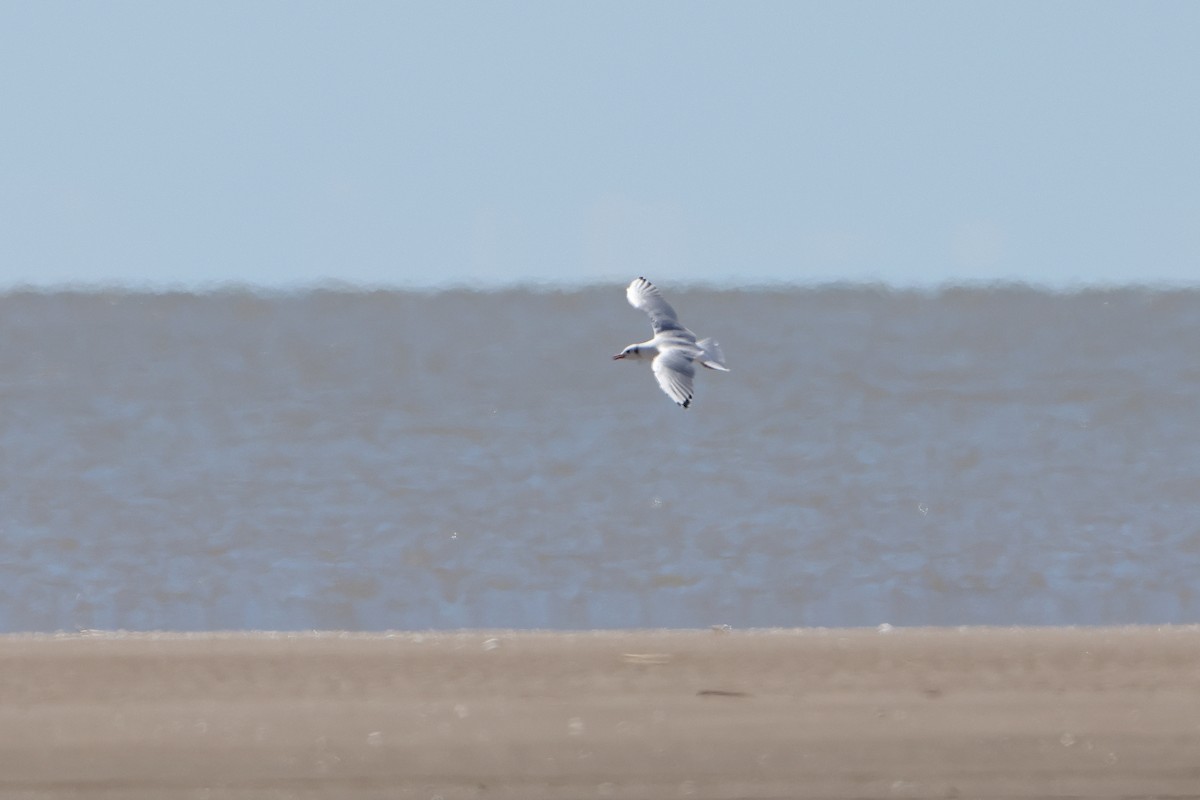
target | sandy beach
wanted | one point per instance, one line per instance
(1095, 712)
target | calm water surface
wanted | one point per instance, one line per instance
(402, 460)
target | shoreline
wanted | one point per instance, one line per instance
(900, 712)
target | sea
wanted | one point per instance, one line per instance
(361, 460)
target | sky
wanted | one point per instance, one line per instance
(428, 144)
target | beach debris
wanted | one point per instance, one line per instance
(646, 658)
(720, 693)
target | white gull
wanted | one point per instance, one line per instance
(673, 347)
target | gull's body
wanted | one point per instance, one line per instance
(674, 348)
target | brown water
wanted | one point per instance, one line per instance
(402, 460)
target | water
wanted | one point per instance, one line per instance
(379, 460)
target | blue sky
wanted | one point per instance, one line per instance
(487, 143)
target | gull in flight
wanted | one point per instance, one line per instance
(673, 347)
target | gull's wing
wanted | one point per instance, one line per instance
(644, 296)
(674, 369)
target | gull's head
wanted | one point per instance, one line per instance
(633, 351)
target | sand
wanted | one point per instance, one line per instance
(1100, 712)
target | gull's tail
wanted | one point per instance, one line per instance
(711, 355)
